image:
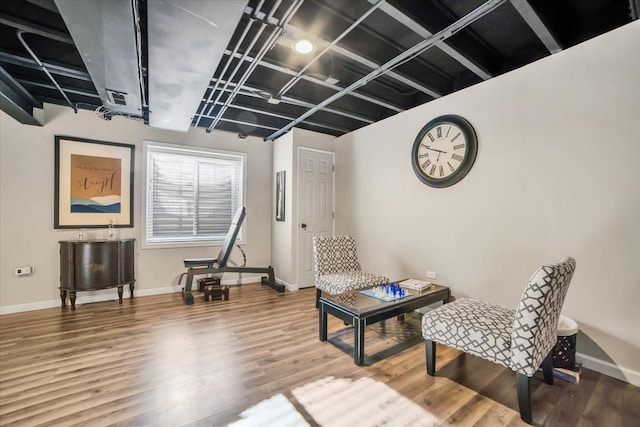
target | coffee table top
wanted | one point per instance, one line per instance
(361, 304)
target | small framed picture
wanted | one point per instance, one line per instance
(280, 193)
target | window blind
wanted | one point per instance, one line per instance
(191, 195)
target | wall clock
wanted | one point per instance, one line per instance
(444, 151)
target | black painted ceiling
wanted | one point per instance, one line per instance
(511, 35)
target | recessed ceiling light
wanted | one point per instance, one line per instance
(303, 46)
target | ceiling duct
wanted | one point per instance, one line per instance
(181, 63)
(106, 35)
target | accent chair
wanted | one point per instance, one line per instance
(337, 269)
(520, 339)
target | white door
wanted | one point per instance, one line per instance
(315, 207)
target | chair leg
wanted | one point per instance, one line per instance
(318, 292)
(430, 347)
(547, 368)
(524, 397)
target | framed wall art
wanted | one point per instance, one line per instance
(93, 183)
(280, 193)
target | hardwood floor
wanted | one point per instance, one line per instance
(153, 361)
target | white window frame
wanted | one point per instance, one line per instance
(156, 146)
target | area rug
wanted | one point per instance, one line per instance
(334, 402)
(275, 411)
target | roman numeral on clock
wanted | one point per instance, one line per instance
(431, 137)
(433, 170)
(456, 157)
(439, 132)
(441, 171)
(425, 165)
(454, 138)
(459, 146)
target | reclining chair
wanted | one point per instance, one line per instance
(337, 269)
(520, 339)
(218, 265)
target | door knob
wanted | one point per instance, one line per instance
(304, 226)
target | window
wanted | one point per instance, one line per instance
(191, 193)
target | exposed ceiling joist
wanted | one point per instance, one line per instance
(30, 27)
(425, 34)
(298, 33)
(255, 93)
(320, 82)
(54, 69)
(534, 21)
(66, 89)
(16, 101)
(434, 40)
(357, 38)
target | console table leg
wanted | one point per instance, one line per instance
(131, 289)
(72, 297)
(358, 351)
(63, 297)
(120, 291)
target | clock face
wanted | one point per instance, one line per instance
(444, 151)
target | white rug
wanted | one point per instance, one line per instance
(337, 402)
(275, 411)
(334, 402)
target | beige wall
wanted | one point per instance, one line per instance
(281, 231)
(27, 237)
(556, 174)
(284, 245)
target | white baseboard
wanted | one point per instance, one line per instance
(111, 294)
(607, 368)
(288, 286)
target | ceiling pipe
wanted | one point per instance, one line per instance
(265, 48)
(281, 116)
(320, 82)
(298, 75)
(247, 27)
(263, 26)
(43, 68)
(416, 50)
(254, 93)
(55, 69)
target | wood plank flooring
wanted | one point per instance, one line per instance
(153, 361)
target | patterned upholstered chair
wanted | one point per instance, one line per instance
(337, 269)
(520, 339)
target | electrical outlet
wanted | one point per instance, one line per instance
(24, 271)
(431, 274)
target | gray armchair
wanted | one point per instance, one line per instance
(337, 269)
(520, 339)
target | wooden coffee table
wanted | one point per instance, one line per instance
(361, 310)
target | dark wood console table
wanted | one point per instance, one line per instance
(87, 265)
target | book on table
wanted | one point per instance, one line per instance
(417, 285)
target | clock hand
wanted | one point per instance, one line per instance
(433, 149)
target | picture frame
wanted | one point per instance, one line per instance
(93, 183)
(280, 194)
